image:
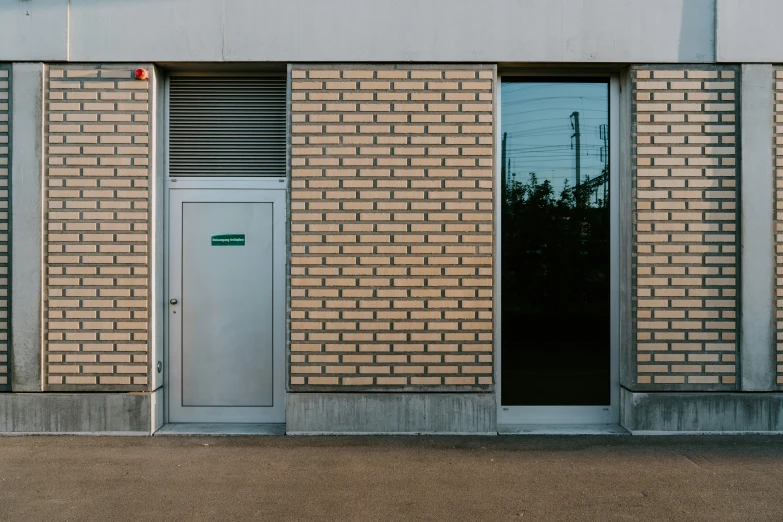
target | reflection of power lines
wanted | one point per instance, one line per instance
(534, 148)
(529, 123)
(539, 99)
(603, 134)
(542, 131)
(507, 114)
(592, 186)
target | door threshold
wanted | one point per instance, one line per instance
(220, 429)
(561, 429)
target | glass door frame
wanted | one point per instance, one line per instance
(566, 415)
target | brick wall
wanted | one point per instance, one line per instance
(778, 90)
(5, 367)
(685, 242)
(391, 227)
(96, 221)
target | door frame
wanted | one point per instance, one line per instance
(162, 209)
(566, 415)
(266, 190)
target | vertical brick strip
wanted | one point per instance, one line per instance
(392, 227)
(778, 133)
(96, 219)
(5, 366)
(685, 229)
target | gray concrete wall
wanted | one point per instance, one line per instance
(26, 226)
(738, 31)
(749, 31)
(403, 413)
(33, 30)
(757, 265)
(650, 413)
(358, 30)
(105, 413)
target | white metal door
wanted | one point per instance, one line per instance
(226, 284)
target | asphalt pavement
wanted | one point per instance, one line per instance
(568, 478)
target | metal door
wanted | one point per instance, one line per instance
(225, 309)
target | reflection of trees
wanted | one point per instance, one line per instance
(555, 249)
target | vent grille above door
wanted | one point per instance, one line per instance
(227, 126)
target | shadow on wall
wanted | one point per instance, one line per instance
(698, 18)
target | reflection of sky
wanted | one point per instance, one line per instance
(537, 118)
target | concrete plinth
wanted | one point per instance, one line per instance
(77, 413)
(696, 413)
(391, 413)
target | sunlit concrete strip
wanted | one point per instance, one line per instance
(757, 267)
(26, 225)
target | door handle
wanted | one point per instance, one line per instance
(173, 301)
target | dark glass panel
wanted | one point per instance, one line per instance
(555, 243)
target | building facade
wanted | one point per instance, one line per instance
(353, 217)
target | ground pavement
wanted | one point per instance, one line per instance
(570, 478)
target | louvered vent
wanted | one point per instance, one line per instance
(227, 126)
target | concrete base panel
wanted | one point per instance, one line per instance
(391, 413)
(215, 429)
(561, 429)
(698, 413)
(70, 413)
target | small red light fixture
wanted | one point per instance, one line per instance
(142, 74)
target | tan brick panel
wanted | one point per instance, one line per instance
(97, 244)
(392, 226)
(685, 227)
(778, 145)
(5, 367)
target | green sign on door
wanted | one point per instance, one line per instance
(228, 240)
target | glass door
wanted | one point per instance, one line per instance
(557, 221)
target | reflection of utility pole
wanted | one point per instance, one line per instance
(511, 171)
(603, 134)
(578, 136)
(503, 171)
